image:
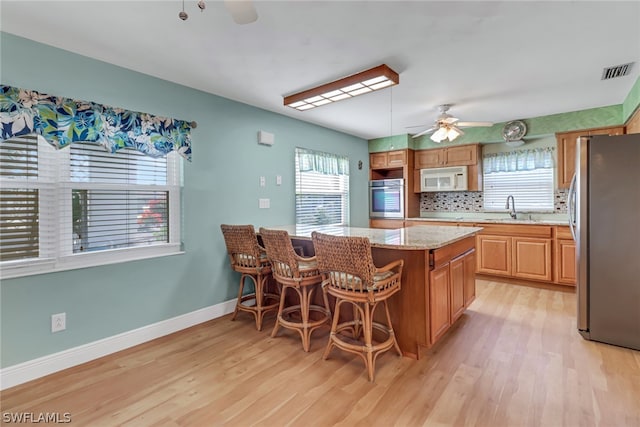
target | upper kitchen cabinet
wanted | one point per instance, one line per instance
(567, 150)
(633, 124)
(462, 155)
(388, 159)
(396, 164)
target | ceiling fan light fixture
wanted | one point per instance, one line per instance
(439, 135)
(453, 133)
(446, 132)
(365, 81)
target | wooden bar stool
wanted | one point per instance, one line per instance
(352, 278)
(250, 260)
(300, 274)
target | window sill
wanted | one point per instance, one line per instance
(14, 269)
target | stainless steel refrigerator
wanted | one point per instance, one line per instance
(604, 214)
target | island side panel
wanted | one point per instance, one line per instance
(408, 307)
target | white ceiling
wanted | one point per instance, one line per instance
(495, 61)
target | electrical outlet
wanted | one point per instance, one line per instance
(58, 322)
(264, 203)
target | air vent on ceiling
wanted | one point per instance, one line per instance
(616, 71)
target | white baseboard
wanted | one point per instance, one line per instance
(36, 368)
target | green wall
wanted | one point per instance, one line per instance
(631, 102)
(221, 185)
(537, 127)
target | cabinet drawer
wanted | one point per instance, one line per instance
(516, 229)
(563, 233)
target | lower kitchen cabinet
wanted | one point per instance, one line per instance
(566, 262)
(439, 312)
(469, 278)
(565, 257)
(456, 271)
(453, 288)
(532, 258)
(494, 254)
(515, 256)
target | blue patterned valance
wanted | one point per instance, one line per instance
(518, 160)
(63, 121)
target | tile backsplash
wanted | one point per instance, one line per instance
(471, 201)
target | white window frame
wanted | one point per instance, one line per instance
(55, 218)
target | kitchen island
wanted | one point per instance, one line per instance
(438, 278)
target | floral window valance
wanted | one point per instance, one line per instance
(325, 163)
(518, 160)
(63, 121)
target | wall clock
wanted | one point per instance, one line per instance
(514, 130)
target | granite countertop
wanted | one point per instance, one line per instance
(493, 220)
(418, 237)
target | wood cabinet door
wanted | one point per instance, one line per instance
(567, 157)
(532, 258)
(456, 297)
(567, 151)
(397, 158)
(377, 160)
(469, 278)
(566, 261)
(429, 158)
(463, 155)
(439, 315)
(493, 254)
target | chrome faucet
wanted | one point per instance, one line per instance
(513, 206)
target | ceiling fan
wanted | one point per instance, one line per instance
(242, 11)
(448, 127)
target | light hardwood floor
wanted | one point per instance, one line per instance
(514, 359)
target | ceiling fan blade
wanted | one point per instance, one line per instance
(450, 120)
(242, 11)
(431, 129)
(415, 126)
(473, 124)
(457, 129)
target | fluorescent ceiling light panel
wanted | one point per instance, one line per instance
(322, 102)
(314, 99)
(374, 80)
(356, 84)
(332, 93)
(352, 87)
(339, 97)
(360, 91)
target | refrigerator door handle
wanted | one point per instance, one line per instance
(571, 207)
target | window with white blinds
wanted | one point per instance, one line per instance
(532, 190)
(81, 206)
(322, 189)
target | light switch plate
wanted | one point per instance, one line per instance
(264, 203)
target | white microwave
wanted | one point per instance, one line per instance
(443, 179)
